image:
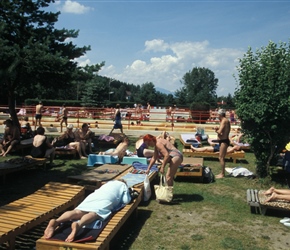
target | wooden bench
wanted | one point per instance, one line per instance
(234, 156)
(103, 240)
(23, 214)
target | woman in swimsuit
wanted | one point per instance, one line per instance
(170, 154)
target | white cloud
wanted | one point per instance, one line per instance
(73, 7)
(83, 61)
(178, 58)
(156, 45)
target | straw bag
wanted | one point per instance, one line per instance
(163, 193)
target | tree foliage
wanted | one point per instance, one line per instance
(35, 57)
(200, 84)
(262, 101)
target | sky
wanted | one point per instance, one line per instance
(160, 41)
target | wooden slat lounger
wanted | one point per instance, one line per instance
(105, 237)
(23, 214)
(99, 175)
(234, 156)
(256, 201)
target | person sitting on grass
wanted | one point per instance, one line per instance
(69, 139)
(119, 151)
(274, 194)
(97, 206)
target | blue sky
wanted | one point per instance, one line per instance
(160, 41)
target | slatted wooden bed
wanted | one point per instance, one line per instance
(25, 213)
(234, 156)
(105, 237)
(116, 222)
(258, 205)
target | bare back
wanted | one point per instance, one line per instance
(39, 109)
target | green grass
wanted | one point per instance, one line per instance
(203, 216)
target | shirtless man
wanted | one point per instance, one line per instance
(64, 113)
(223, 132)
(38, 114)
(119, 151)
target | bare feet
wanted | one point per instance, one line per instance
(192, 148)
(272, 197)
(50, 228)
(2, 153)
(74, 229)
(219, 176)
(269, 191)
(83, 157)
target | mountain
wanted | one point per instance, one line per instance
(164, 91)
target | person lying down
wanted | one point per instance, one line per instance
(119, 151)
(215, 148)
(97, 206)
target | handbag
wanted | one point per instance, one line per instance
(163, 193)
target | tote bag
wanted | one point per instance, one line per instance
(163, 192)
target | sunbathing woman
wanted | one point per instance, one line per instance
(171, 155)
(277, 194)
(97, 206)
(142, 149)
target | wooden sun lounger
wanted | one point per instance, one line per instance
(105, 237)
(194, 171)
(99, 175)
(116, 222)
(256, 201)
(23, 214)
(15, 165)
(234, 156)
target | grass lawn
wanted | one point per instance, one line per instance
(203, 216)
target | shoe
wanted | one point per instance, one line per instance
(285, 220)
(287, 224)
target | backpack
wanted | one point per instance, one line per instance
(208, 176)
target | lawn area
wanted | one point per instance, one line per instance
(203, 216)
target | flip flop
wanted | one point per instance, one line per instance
(285, 220)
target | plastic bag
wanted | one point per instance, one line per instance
(147, 188)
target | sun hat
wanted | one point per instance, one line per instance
(70, 126)
(221, 111)
(288, 147)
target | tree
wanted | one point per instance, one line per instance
(34, 55)
(262, 101)
(199, 85)
(147, 93)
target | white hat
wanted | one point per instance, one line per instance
(70, 126)
(221, 111)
